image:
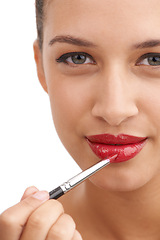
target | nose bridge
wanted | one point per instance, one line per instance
(114, 100)
(112, 88)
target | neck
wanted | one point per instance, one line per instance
(126, 214)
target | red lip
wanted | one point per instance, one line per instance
(125, 146)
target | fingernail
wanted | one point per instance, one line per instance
(41, 195)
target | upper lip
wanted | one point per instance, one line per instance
(109, 139)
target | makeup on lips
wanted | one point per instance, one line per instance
(125, 146)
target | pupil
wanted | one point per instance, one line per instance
(154, 59)
(79, 59)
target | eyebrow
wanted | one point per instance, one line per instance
(72, 40)
(85, 43)
(147, 44)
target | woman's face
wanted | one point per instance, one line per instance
(101, 68)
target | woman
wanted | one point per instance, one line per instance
(99, 61)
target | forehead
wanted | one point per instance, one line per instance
(105, 6)
(106, 17)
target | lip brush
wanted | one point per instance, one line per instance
(79, 178)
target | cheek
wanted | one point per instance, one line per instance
(149, 102)
(149, 98)
(70, 103)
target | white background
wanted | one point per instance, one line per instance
(30, 151)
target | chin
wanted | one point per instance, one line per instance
(121, 181)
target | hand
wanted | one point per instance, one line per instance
(36, 218)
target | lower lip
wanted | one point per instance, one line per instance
(124, 152)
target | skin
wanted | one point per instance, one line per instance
(115, 91)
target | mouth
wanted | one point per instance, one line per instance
(107, 145)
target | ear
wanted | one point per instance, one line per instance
(39, 64)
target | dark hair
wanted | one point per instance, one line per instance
(39, 21)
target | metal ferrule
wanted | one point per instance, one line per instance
(66, 187)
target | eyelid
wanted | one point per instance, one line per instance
(147, 55)
(63, 57)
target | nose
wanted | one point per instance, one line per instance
(115, 99)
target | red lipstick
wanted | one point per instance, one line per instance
(125, 146)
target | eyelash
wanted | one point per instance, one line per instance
(70, 55)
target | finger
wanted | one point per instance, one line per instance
(63, 229)
(41, 220)
(28, 192)
(12, 221)
(77, 236)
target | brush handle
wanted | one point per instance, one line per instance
(56, 193)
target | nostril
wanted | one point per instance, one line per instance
(114, 114)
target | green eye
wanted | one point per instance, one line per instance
(76, 58)
(150, 59)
